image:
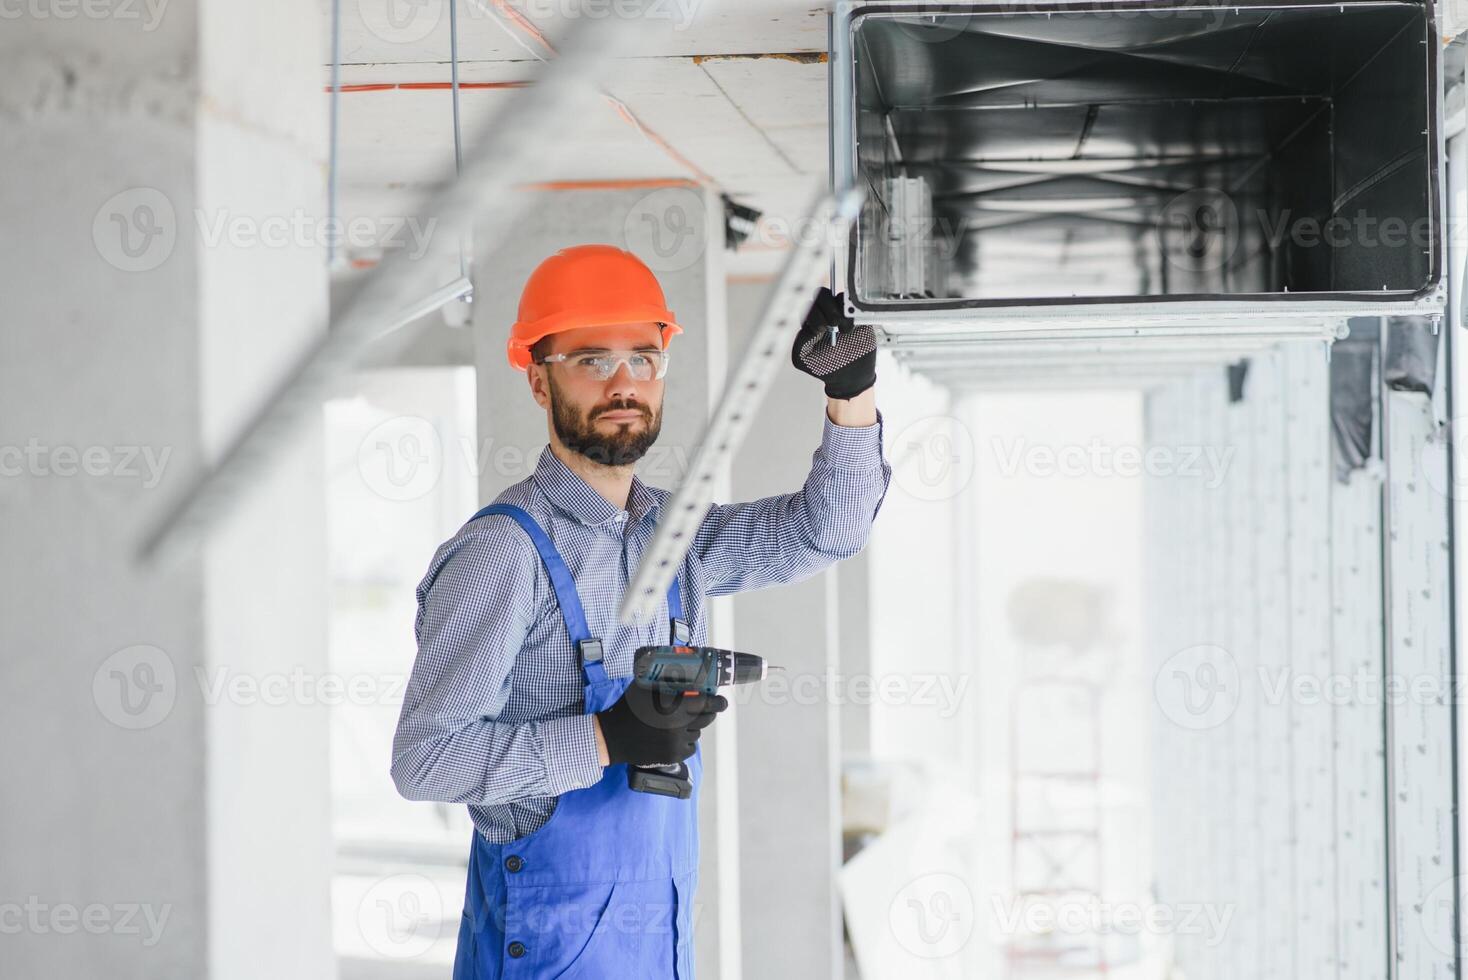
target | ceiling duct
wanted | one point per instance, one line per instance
(1127, 169)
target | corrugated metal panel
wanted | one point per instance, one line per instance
(1278, 810)
(1360, 753)
(1307, 436)
(1223, 757)
(1240, 951)
(1163, 587)
(1421, 723)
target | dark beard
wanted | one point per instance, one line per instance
(622, 448)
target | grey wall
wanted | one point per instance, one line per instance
(132, 789)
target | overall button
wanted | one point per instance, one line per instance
(514, 863)
(517, 949)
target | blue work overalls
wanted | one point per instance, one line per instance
(605, 887)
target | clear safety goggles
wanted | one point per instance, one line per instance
(642, 365)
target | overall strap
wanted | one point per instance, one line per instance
(560, 575)
(588, 647)
(678, 627)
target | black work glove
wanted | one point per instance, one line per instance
(651, 726)
(849, 366)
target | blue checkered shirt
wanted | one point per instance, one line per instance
(493, 713)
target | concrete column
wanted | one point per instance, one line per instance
(789, 732)
(160, 820)
(853, 612)
(678, 231)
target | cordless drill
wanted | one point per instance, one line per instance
(686, 670)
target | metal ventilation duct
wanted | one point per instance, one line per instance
(1130, 167)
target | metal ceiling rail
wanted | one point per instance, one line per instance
(1031, 371)
(1070, 370)
(1148, 345)
(1131, 382)
(827, 220)
(509, 145)
(1042, 358)
(977, 336)
(460, 288)
(1139, 319)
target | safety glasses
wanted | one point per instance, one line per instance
(643, 365)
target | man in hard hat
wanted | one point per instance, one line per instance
(520, 702)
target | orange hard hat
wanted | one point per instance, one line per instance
(587, 286)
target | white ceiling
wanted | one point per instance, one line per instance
(737, 88)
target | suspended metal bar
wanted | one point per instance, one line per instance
(458, 141)
(1202, 333)
(458, 289)
(769, 345)
(509, 146)
(1069, 345)
(335, 110)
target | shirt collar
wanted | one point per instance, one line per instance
(575, 496)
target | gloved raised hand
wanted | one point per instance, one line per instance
(848, 365)
(651, 726)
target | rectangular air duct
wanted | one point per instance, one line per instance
(1270, 168)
